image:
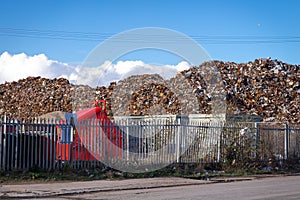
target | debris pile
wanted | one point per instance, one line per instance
(268, 88)
(34, 96)
(265, 87)
(147, 94)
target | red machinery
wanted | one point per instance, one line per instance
(89, 135)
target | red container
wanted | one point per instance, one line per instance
(94, 136)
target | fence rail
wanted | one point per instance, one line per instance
(52, 144)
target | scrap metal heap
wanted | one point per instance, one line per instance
(265, 87)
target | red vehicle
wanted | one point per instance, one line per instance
(89, 135)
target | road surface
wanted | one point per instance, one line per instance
(275, 188)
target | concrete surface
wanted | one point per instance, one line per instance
(276, 188)
(67, 188)
(254, 188)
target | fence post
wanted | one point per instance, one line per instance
(2, 131)
(257, 138)
(286, 142)
(4, 142)
(17, 132)
(177, 135)
(127, 139)
(220, 145)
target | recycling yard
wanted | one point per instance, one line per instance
(265, 87)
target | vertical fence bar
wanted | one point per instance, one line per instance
(34, 148)
(4, 142)
(16, 145)
(40, 132)
(43, 134)
(108, 141)
(84, 142)
(12, 146)
(54, 138)
(104, 141)
(257, 139)
(94, 141)
(55, 145)
(21, 137)
(91, 144)
(7, 140)
(1, 142)
(111, 141)
(47, 135)
(158, 129)
(181, 139)
(177, 139)
(22, 145)
(50, 122)
(9, 133)
(66, 145)
(58, 135)
(221, 124)
(139, 129)
(47, 138)
(50, 131)
(27, 160)
(127, 139)
(89, 133)
(99, 144)
(286, 142)
(36, 132)
(77, 143)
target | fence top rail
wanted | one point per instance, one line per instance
(190, 116)
(204, 119)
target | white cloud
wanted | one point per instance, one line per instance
(18, 66)
(108, 72)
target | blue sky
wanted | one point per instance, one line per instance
(237, 19)
(67, 30)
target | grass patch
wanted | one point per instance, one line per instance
(194, 171)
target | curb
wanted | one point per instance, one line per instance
(34, 193)
(70, 192)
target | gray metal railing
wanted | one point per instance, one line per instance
(52, 144)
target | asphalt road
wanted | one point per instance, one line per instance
(274, 188)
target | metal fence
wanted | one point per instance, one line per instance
(52, 144)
